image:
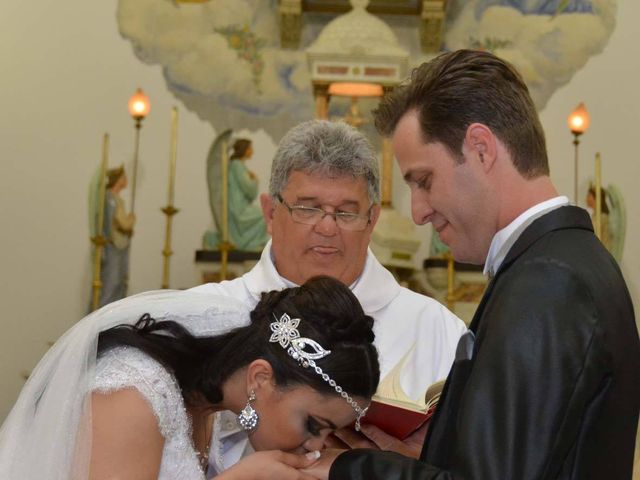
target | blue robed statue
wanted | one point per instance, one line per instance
(116, 230)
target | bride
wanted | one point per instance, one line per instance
(130, 391)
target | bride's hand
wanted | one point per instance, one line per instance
(271, 465)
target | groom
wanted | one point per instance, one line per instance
(546, 383)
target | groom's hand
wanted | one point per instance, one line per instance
(374, 438)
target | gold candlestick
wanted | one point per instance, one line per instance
(98, 240)
(451, 297)
(598, 187)
(134, 175)
(576, 143)
(387, 172)
(225, 246)
(174, 154)
(169, 210)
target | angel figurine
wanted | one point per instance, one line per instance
(117, 229)
(246, 228)
(613, 218)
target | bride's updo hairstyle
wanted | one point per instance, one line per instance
(329, 314)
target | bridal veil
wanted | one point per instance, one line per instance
(47, 434)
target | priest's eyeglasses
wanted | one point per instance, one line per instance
(312, 216)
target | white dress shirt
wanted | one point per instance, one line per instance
(504, 239)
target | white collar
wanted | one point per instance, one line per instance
(504, 239)
(375, 288)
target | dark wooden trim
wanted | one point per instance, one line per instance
(459, 267)
(379, 7)
(210, 256)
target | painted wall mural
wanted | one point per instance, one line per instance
(222, 59)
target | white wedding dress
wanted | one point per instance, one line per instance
(127, 367)
(47, 434)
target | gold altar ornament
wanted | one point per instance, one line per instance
(98, 240)
(169, 210)
(578, 124)
(355, 90)
(598, 187)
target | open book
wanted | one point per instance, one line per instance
(401, 418)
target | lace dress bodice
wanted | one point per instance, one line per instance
(127, 367)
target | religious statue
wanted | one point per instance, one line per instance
(117, 229)
(437, 248)
(613, 218)
(246, 228)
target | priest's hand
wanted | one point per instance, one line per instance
(372, 437)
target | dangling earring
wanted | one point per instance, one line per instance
(248, 418)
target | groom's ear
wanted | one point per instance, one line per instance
(259, 375)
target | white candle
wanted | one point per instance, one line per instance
(598, 199)
(174, 153)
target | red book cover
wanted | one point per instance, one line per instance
(398, 419)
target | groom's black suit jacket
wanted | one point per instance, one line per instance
(551, 386)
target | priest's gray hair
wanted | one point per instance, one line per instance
(321, 147)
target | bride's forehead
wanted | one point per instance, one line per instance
(325, 404)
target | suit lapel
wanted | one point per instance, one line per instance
(441, 436)
(558, 219)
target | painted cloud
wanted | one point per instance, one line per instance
(222, 58)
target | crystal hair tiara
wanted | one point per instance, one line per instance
(285, 332)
